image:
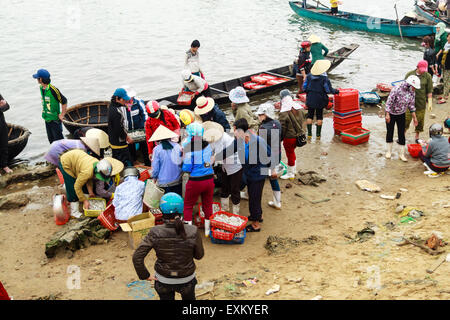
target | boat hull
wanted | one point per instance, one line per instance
(362, 22)
(17, 140)
(428, 16)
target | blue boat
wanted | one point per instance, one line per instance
(361, 22)
(429, 14)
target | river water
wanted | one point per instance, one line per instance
(92, 47)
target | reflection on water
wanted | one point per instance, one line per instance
(92, 47)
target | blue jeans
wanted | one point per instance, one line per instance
(54, 130)
(275, 185)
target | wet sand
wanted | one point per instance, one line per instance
(330, 265)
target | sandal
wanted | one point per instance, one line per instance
(250, 228)
(442, 101)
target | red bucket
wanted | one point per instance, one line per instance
(414, 150)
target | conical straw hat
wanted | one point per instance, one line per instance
(92, 143)
(101, 135)
(314, 39)
(117, 166)
(162, 133)
(320, 66)
(213, 131)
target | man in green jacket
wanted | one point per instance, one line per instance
(51, 100)
(424, 96)
(317, 48)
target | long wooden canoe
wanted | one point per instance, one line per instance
(220, 90)
(361, 22)
(95, 114)
(429, 15)
(17, 140)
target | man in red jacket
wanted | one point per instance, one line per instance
(157, 117)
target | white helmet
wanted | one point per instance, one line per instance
(104, 167)
(413, 81)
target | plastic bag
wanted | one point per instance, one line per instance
(152, 194)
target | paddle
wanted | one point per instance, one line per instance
(398, 22)
(318, 2)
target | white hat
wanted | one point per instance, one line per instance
(314, 39)
(267, 109)
(213, 131)
(414, 81)
(287, 103)
(92, 143)
(320, 66)
(238, 95)
(162, 133)
(101, 135)
(186, 75)
(204, 105)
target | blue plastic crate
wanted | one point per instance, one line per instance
(343, 114)
(238, 238)
(374, 99)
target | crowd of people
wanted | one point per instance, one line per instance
(191, 153)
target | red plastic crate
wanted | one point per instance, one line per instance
(228, 227)
(357, 117)
(199, 218)
(302, 97)
(354, 142)
(227, 236)
(188, 95)
(259, 79)
(259, 86)
(346, 100)
(249, 85)
(342, 127)
(274, 82)
(108, 218)
(268, 76)
(144, 175)
(414, 149)
(355, 136)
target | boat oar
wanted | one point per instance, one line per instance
(398, 22)
(318, 2)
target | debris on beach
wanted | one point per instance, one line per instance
(367, 186)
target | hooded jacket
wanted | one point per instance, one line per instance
(136, 116)
(116, 128)
(317, 89)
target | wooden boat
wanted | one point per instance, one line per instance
(17, 140)
(95, 114)
(361, 22)
(429, 15)
(220, 90)
(90, 114)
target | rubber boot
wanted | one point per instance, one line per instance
(402, 154)
(290, 173)
(244, 194)
(207, 227)
(389, 150)
(276, 203)
(225, 204)
(236, 208)
(188, 222)
(74, 209)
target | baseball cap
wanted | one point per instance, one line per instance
(422, 66)
(42, 73)
(122, 93)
